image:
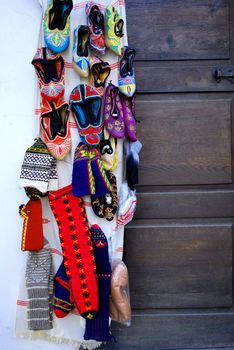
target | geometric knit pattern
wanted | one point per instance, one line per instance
(38, 168)
(39, 274)
(77, 249)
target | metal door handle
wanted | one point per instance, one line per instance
(224, 73)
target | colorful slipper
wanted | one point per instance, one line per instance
(111, 199)
(85, 105)
(81, 51)
(98, 206)
(108, 151)
(100, 71)
(129, 118)
(96, 27)
(113, 30)
(55, 128)
(50, 72)
(56, 24)
(127, 83)
(113, 112)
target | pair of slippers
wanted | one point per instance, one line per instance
(119, 114)
(54, 110)
(106, 206)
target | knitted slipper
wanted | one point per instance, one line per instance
(100, 71)
(98, 206)
(50, 72)
(55, 127)
(56, 24)
(109, 152)
(113, 112)
(81, 51)
(129, 118)
(127, 83)
(96, 27)
(85, 104)
(113, 30)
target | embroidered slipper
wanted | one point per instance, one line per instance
(129, 117)
(96, 27)
(50, 72)
(127, 205)
(55, 128)
(100, 71)
(56, 24)
(113, 112)
(113, 30)
(85, 103)
(127, 83)
(108, 151)
(98, 206)
(81, 51)
(111, 199)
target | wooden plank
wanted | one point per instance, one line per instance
(185, 76)
(185, 204)
(184, 142)
(182, 29)
(180, 267)
(168, 331)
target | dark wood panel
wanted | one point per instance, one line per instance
(158, 76)
(182, 29)
(184, 142)
(185, 204)
(180, 267)
(189, 331)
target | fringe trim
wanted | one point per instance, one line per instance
(39, 335)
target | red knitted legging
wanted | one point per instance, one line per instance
(77, 249)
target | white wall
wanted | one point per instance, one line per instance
(20, 21)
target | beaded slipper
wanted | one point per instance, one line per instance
(85, 105)
(96, 27)
(81, 51)
(127, 83)
(129, 118)
(56, 24)
(113, 30)
(50, 72)
(113, 112)
(55, 128)
(100, 71)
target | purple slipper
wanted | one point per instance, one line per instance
(129, 117)
(113, 112)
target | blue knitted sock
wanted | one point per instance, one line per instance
(98, 328)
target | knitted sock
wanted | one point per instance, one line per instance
(102, 184)
(51, 284)
(82, 177)
(38, 271)
(36, 168)
(32, 236)
(98, 328)
(77, 249)
(63, 298)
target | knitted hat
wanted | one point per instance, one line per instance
(39, 273)
(98, 328)
(32, 235)
(39, 168)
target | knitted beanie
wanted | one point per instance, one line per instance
(39, 273)
(39, 168)
(98, 328)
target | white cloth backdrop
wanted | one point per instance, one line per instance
(71, 329)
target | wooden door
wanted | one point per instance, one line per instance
(179, 248)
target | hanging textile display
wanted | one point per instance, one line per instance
(79, 181)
